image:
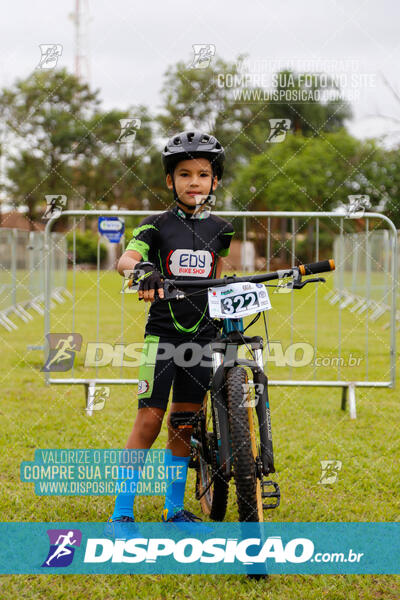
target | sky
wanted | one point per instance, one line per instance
(129, 45)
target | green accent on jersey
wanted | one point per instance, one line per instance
(140, 247)
(180, 327)
(148, 363)
(142, 228)
(161, 267)
(225, 251)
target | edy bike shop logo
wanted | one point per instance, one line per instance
(62, 547)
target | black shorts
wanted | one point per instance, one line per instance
(163, 363)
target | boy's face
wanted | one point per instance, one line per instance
(192, 177)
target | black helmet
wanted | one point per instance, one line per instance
(193, 144)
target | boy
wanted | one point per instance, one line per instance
(185, 242)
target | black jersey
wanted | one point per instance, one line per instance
(182, 248)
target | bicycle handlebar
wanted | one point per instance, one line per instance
(319, 267)
(309, 269)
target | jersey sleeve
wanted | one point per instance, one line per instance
(225, 236)
(143, 237)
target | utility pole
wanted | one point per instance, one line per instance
(81, 19)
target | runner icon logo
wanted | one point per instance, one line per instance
(62, 547)
(62, 349)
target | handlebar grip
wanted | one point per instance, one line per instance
(319, 267)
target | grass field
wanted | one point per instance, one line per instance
(308, 426)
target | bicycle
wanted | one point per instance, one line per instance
(224, 439)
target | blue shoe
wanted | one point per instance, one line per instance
(183, 521)
(121, 528)
(179, 517)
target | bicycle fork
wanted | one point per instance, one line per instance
(265, 466)
(270, 496)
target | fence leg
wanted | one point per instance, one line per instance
(89, 393)
(352, 401)
(22, 314)
(36, 306)
(349, 391)
(7, 323)
(344, 397)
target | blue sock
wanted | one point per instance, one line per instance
(175, 489)
(126, 496)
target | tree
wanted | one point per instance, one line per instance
(305, 173)
(66, 145)
(217, 99)
(46, 114)
(311, 101)
(382, 183)
(312, 174)
(205, 99)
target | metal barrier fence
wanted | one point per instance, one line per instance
(22, 273)
(299, 320)
(364, 284)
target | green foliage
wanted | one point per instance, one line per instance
(210, 99)
(382, 182)
(86, 247)
(307, 173)
(67, 145)
(323, 110)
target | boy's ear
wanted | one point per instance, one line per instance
(215, 182)
(169, 182)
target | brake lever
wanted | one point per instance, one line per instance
(297, 285)
(171, 292)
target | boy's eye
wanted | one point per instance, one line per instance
(201, 174)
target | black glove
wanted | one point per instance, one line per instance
(148, 276)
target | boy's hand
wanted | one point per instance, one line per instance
(150, 280)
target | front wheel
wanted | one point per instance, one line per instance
(244, 447)
(214, 501)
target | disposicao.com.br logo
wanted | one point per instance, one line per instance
(191, 550)
(202, 548)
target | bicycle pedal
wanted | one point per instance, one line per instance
(273, 494)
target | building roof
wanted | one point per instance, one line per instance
(16, 220)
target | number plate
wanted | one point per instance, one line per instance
(237, 300)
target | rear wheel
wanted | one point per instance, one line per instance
(214, 501)
(244, 446)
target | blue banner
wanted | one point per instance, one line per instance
(202, 548)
